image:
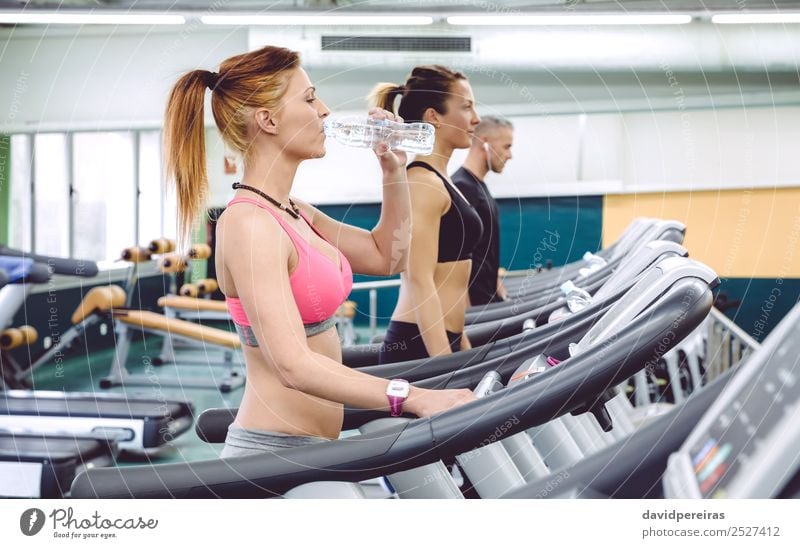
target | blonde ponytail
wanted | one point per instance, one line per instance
(383, 96)
(185, 148)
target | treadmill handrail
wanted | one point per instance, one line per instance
(212, 424)
(59, 265)
(23, 270)
(422, 441)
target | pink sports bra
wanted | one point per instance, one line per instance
(319, 286)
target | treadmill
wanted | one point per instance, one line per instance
(34, 467)
(465, 369)
(540, 293)
(44, 465)
(747, 445)
(506, 329)
(139, 425)
(575, 386)
(739, 438)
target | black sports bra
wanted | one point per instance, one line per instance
(460, 228)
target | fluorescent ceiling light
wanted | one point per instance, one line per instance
(749, 18)
(595, 19)
(256, 20)
(44, 18)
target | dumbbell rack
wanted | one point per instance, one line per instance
(13, 374)
(170, 263)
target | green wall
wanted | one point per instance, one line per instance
(5, 186)
(532, 231)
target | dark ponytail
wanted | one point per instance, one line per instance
(428, 86)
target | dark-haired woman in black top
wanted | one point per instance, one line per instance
(429, 317)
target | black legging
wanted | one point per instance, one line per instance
(403, 342)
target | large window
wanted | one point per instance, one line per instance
(78, 197)
(104, 198)
(157, 208)
(51, 187)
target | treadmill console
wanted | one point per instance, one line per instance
(747, 445)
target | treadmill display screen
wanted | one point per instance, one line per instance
(745, 430)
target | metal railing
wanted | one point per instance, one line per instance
(714, 347)
(726, 344)
(373, 288)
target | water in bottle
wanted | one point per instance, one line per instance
(577, 298)
(365, 132)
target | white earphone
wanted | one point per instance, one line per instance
(486, 146)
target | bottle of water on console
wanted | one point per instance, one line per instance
(577, 298)
(366, 132)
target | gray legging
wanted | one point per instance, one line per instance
(242, 441)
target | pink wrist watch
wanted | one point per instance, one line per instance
(397, 392)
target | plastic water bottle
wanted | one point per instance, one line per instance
(596, 262)
(365, 132)
(577, 298)
(593, 259)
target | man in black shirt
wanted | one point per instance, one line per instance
(491, 149)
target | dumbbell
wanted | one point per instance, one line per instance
(172, 263)
(17, 336)
(201, 287)
(136, 254)
(161, 246)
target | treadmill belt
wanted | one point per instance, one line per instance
(31, 447)
(89, 406)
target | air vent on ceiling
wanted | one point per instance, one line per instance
(397, 43)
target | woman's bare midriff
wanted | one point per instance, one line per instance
(451, 281)
(269, 405)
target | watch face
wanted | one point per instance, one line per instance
(398, 388)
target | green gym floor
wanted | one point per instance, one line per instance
(83, 374)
